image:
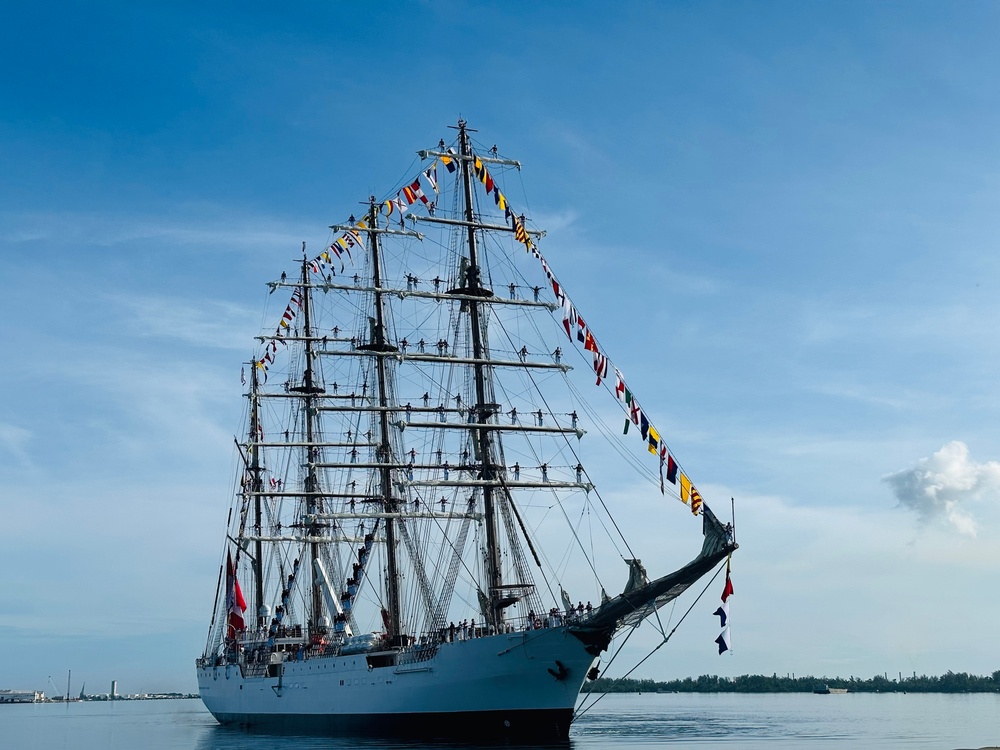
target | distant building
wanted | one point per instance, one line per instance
(21, 696)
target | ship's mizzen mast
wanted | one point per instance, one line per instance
(485, 409)
(383, 450)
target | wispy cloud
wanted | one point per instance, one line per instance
(557, 220)
(891, 396)
(13, 441)
(944, 485)
(201, 322)
(110, 229)
(922, 320)
(581, 145)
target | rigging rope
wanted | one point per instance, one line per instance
(582, 710)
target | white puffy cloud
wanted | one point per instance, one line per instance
(945, 485)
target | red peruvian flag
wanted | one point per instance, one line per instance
(236, 605)
(728, 590)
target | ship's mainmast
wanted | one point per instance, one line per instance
(485, 409)
(309, 389)
(379, 343)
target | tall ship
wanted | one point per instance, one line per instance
(415, 546)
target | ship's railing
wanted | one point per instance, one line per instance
(255, 658)
(554, 618)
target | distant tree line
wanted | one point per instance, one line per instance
(950, 682)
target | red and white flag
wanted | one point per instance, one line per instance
(728, 590)
(235, 603)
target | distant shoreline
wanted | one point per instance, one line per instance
(104, 698)
(951, 682)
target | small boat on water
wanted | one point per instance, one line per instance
(411, 504)
(827, 690)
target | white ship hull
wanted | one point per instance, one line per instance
(523, 683)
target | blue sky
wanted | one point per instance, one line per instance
(779, 218)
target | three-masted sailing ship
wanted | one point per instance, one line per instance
(408, 514)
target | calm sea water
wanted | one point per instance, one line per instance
(617, 722)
